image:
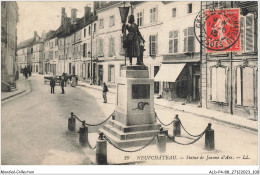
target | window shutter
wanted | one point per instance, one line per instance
(113, 46)
(242, 26)
(249, 33)
(109, 46)
(102, 47)
(170, 42)
(248, 86)
(238, 86)
(156, 43)
(190, 39)
(185, 40)
(84, 53)
(150, 45)
(170, 46)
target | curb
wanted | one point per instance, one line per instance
(12, 95)
(22, 92)
(82, 85)
(214, 119)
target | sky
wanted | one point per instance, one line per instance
(44, 16)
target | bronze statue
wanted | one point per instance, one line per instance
(133, 40)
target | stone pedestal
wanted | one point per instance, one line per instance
(135, 122)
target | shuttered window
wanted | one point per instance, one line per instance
(173, 41)
(111, 73)
(100, 48)
(218, 84)
(84, 49)
(111, 47)
(247, 33)
(245, 86)
(189, 40)
(153, 45)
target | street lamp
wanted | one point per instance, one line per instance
(123, 14)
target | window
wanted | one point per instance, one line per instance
(89, 30)
(112, 20)
(218, 84)
(122, 51)
(189, 8)
(89, 70)
(153, 45)
(174, 12)
(101, 23)
(85, 33)
(85, 50)
(111, 73)
(247, 33)
(140, 19)
(95, 27)
(56, 42)
(173, 41)
(245, 86)
(189, 44)
(111, 49)
(100, 47)
(153, 15)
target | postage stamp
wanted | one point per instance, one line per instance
(220, 30)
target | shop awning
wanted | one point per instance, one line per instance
(169, 72)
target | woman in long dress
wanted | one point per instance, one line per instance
(133, 39)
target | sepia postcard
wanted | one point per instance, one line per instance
(129, 83)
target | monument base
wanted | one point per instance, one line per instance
(130, 136)
(135, 122)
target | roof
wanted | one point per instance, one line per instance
(80, 23)
(108, 4)
(26, 43)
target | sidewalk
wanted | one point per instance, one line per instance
(233, 120)
(22, 86)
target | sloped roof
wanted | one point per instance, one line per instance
(26, 43)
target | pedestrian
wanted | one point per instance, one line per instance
(105, 90)
(26, 72)
(62, 85)
(30, 71)
(52, 84)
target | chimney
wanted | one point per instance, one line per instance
(87, 13)
(35, 34)
(62, 15)
(73, 15)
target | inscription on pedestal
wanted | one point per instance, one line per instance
(140, 91)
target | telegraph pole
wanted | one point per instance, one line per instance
(91, 78)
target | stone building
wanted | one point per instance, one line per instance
(25, 52)
(230, 80)
(37, 62)
(9, 66)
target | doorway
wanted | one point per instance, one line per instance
(100, 74)
(196, 88)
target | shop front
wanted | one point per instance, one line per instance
(180, 81)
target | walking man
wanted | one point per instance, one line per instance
(105, 90)
(52, 84)
(62, 85)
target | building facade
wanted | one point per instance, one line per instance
(92, 48)
(9, 65)
(230, 80)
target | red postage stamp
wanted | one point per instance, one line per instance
(222, 30)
